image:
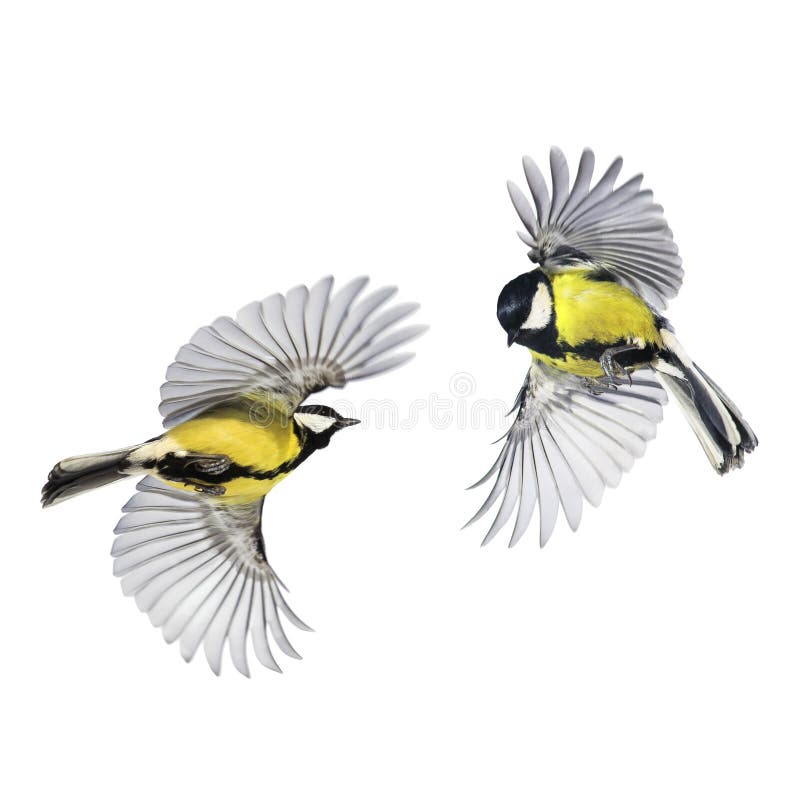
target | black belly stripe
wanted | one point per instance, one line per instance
(592, 350)
(180, 468)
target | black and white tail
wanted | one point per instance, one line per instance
(715, 420)
(79, 474)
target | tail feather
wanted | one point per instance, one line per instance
(749, 440)
(79, 474)
(715, 420)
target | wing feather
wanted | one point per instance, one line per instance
(383, 321)
(203, 608)
(384, 365)
(538, 186)
(356, 318)
(565, 445)
(619, 230)
(272, 319)
(361, 358)
(220, 628)
(198, 569)
(559, 170)
(529, 492)
(525, 212)
(547, 490)
(581, 186)
(315, 313)
(589, 479)
(569, 491)
(240, 623)
(509, 481)
(295, 312)
(337, 312)
(278, 351)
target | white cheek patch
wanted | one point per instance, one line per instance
(541, 310)
(314, 422)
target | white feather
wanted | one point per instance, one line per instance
(541, 310)
(197, 569)
(567, 444)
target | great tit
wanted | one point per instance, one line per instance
(590, 314)
(189, 547)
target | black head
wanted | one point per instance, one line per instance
(525, 306)
(320, 423)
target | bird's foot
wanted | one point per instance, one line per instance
(605, 383)
(204, 488)
(211, 465)
(612, 369)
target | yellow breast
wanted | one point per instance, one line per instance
(597, 310)
(591, 311)
(231, 432)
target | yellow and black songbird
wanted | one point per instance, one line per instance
(189, 547)
(590, 314)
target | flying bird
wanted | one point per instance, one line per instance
(189, 547)
(590, 313)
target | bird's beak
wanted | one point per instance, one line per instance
(346, 423)
(512, 337)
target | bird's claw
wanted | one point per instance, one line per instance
(203, 488)
(613, 370)
(211, 465)
(596, 386)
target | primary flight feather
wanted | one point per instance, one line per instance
(602, 353)
(189, 547)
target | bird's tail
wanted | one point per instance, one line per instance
(715, 420)
(81, 473)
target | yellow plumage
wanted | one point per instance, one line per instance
(263, 447)
(591, 310)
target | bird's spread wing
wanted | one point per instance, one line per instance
(619, 230)
(199, 570)
(567, 444)
(280, 350)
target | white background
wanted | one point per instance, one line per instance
(165, 163)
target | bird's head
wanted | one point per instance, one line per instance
(320, 423)
(525, 306)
